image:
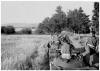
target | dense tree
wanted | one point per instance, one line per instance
(55, 24)
(78, 21)
(58, 21)
(43, 27)
(95, 16)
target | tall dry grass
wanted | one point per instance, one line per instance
(38, 60)
(20, 51)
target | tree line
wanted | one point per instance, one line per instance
(75, 21)
(11, 30)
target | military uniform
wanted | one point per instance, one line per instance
(64, 37)
(65, 51)
(92, 43)
(65, 45)
(90, 50)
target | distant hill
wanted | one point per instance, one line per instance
(22, 25)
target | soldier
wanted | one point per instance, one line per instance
(90, 49)
(64, 37)
(65, 46)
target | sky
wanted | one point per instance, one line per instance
(34, 12)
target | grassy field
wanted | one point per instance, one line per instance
(20, 51)
(16, 48)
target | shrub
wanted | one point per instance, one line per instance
(2, 29)
(39, 31)
(26, 31)
(7, 30)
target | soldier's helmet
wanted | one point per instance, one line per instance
(92, 30)
(64, 37)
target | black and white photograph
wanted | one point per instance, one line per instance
(50, 35)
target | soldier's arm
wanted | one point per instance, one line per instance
(48, 44)
(87, 50)
(97, 46)
(88, 44)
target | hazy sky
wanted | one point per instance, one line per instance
(36, 11)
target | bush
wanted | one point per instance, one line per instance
(2, 29)
(26, 31)
(39, 31)
(7, 30)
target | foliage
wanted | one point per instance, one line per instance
(7, 30)
(55, 24)
(75, 21)
(2, 29)
(26, 31)
(78, 21)
(58, 21)
(44, 26)
(95, 16)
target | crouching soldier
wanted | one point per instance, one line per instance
(65, 46)
(91, 50)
